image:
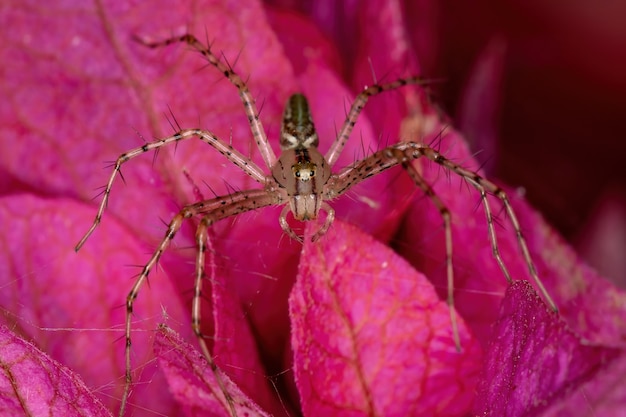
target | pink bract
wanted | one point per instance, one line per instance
(538, 366)
(362, 331)
(34, 384)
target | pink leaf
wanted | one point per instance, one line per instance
(192, 381)
(478, 114)
(234, 346)
(366, 322)
(537, 366)
(32, 383)
(76, 87)
(71, 304)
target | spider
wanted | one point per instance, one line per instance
(301, 180)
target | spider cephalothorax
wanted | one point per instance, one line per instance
(301, 170)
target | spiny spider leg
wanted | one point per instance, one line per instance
(447, 227)
(248, 101)
(402, 153)
(213, 210)
(227, 150)
(484, 186)
(357, 106)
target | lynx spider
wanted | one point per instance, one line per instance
(302, 181)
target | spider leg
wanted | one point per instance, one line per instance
(381, 161)
(228, 151)
(214, 210)
(447, 225)
(403, 153)
(246, 97)
(356, 108)
(203, 242)
(484, 187)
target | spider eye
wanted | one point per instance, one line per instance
(303, 171)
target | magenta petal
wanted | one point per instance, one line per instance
(71, 304)
(234, 346)
(481, 101)
(193, 382)
(603, 394)
(592, 306)
(32, 383)
(371, 337)
(535, 360)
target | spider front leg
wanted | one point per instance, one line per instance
(246, 97)
(357, 107)
(213, 210)
(227, 150)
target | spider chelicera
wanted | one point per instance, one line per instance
(302, 180)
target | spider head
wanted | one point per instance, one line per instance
(304, 171)
(301, 171)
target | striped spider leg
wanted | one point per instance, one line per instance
(301, 179)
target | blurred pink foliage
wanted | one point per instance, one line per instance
(33, 384)
(362, 331)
